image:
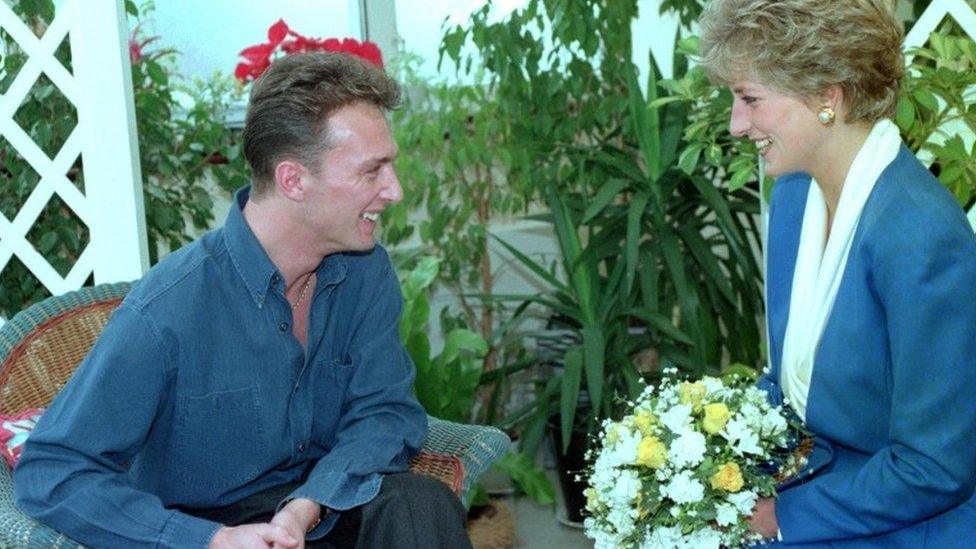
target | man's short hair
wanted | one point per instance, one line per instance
(290, 104)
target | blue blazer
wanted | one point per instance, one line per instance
(893, 391)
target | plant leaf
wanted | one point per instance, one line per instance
(569, 395)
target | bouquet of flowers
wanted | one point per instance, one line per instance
(686, 466)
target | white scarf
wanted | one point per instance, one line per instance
(819, 271)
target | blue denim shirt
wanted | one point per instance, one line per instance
(198, 395)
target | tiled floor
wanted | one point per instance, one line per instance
(537, 527)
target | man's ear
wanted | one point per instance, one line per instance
(289, 177)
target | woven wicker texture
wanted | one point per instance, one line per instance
(17, 529)
(477, 446)
(41, 346)
(493, 528)
(446, 469)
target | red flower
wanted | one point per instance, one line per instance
(135, 51)
(371, 52)
(278, 32)
(258, 57)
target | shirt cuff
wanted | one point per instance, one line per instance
(182, 530)
(324, 527)
(338, 491)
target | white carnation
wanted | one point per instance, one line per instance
(712, 385)
(742, 438)
(688, 449)
(773, 423)
(624, 452)
(663, 536)
(752, 415)
(744, 501)
(726, 514)
(678, 418)
(622, 521)
(706, 538)
(626, 489)
(683, 488)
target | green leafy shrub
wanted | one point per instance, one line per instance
(179, 149)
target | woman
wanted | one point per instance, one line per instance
(871, 277)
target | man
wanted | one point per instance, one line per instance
(252, 389)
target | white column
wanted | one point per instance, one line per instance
(377, 23)
(106, 117)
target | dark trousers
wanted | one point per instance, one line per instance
(410, 511)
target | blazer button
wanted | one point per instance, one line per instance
(301, 448)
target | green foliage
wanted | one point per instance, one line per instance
(532, 480)
(708, 147)
(654, 256)
(179, 148)
(938, 102)
(686, 10)
(447, 384)
(463, 173)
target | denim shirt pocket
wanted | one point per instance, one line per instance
(222, 438)
(332, 389)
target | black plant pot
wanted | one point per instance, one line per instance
(569, 465)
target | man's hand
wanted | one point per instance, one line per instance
(763, 519)
(254, 536)
(296, 517)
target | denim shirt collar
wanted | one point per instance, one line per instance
(252, 263)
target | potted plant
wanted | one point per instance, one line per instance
(651, 257)
(447, 383)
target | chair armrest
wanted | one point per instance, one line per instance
(18, 530)
(459, 454)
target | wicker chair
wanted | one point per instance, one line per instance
(42, 345)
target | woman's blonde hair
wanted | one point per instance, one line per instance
(802, 47)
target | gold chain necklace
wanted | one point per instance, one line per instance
(301, 295)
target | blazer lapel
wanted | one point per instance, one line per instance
(785, 224)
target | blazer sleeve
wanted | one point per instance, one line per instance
(923, 277)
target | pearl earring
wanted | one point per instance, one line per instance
(826, 116)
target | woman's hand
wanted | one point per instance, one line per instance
(763, 519)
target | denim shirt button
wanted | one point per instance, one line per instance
(275, 279)
(301, 448)
(283, 327)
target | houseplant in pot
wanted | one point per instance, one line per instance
(652, 257)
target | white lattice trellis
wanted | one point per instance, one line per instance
(101, 91)
(919, 35)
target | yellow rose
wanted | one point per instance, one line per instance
(716, 416)
(644, 421)
(728, 478)
(592, 500)
(692, 393)
(651, 452)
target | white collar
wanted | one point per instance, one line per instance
(819, 271)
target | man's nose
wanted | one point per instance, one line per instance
(392, 191)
